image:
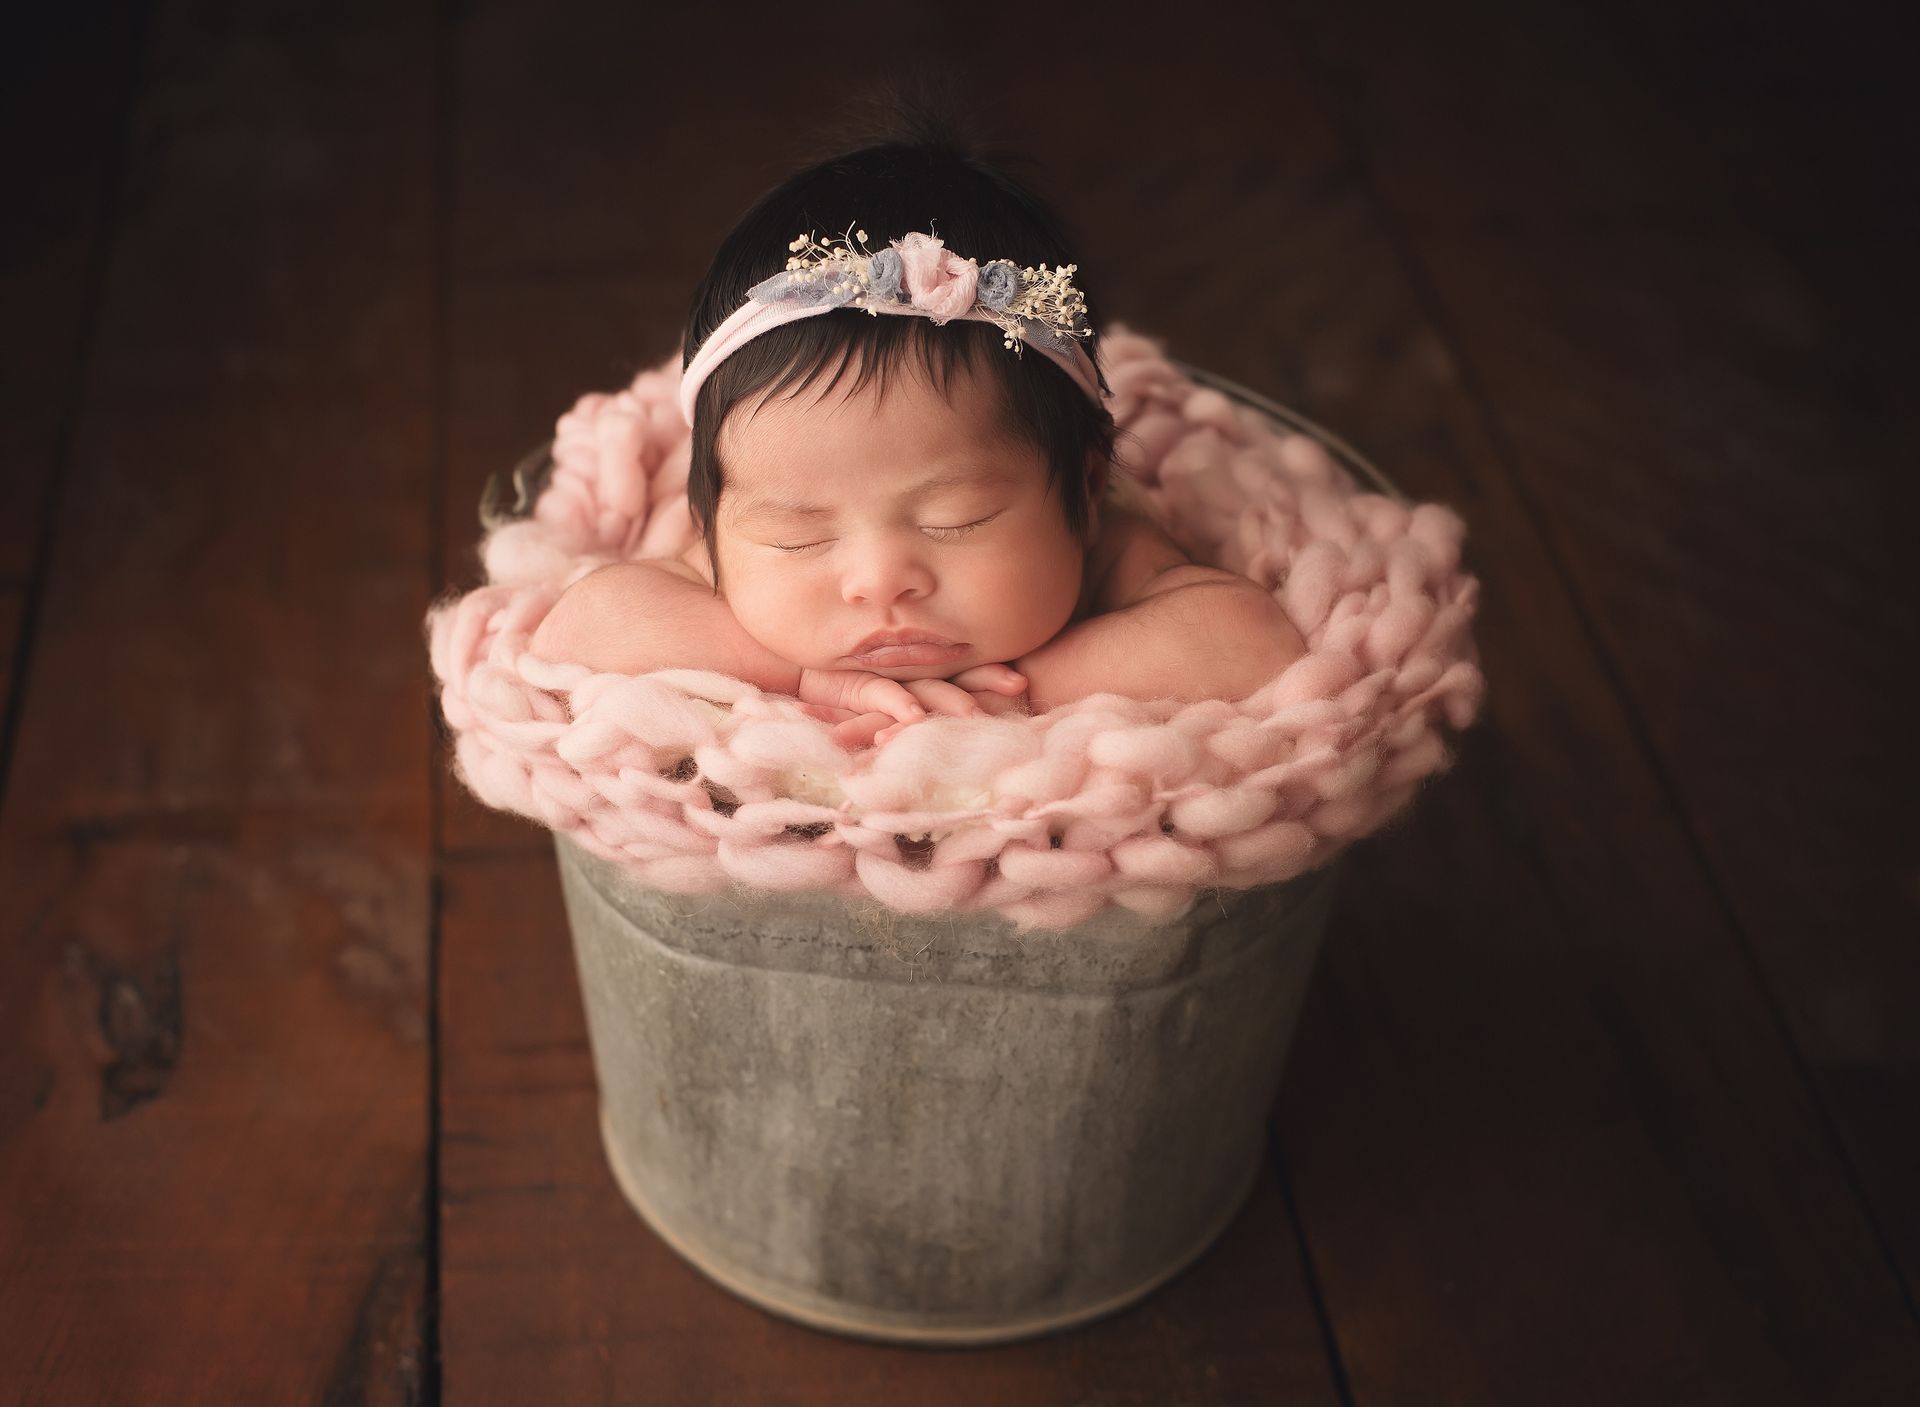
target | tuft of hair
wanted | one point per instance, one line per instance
(903, 156)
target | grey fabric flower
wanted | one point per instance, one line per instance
(999, 285)
(796, 286)
(884, 275)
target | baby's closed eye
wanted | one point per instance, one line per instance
(939, 533)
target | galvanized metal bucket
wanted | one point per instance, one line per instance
(937, 1130)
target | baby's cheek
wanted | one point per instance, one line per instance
(760, 616)
(1038, 597)
(792, 624)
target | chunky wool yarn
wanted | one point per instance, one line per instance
(695, 781)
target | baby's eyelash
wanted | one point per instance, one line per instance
(937, 534)
(949, 534)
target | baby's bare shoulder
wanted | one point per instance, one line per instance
(1127, 556)
(606, 605)
(691, 564)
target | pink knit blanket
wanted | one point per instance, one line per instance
(695, 781)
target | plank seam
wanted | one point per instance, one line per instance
(1330, 1340)
(99, 262)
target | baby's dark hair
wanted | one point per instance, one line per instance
(913, 172)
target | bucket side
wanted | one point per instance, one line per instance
(926, 1160)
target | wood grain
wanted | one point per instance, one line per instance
(12, 614)
(1817, 137)
(78, 61)
(1681, 414)
(213, 1059)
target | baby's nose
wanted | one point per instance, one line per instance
(881, 578)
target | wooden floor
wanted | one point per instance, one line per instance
(1608, 1087)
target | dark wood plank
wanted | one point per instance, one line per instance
(1820, 138)
(12, 607)
(1818, 133)
(76, 61)
(1685, 416)
(213, 1068)
(553, 1289)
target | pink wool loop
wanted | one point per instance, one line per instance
(697, 782)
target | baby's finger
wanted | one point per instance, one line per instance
(878, 694)
(875, 693)
(998, 678)
(827, 713)
(859, 691)
(941, 697)
(998, 705)
(863, 730)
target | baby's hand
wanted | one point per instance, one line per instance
(858, 691)
(870, 709)
(996, 688)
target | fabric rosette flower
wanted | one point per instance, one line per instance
(939, 282)
(883, 276)
(999, 285)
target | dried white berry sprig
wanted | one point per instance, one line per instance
(841, 270)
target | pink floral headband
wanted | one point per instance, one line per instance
(914, 275)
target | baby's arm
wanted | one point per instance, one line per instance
(1163, 627)
(633, 617)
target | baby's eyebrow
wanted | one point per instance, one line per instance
(775, 508)
(792, 508)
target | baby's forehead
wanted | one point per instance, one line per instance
(818, 450)
(899, 402)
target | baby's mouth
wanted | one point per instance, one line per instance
(886, 648)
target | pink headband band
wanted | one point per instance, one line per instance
(915, 276)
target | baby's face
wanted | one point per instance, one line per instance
(845, 516)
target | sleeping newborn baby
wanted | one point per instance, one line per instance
(892, 550)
